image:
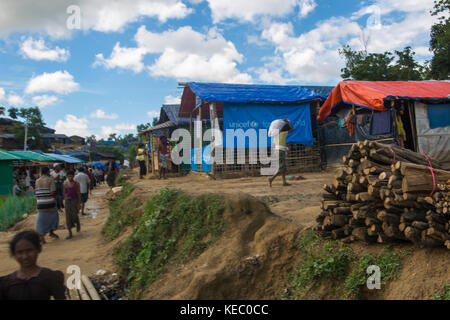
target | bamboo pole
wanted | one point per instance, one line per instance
(90, 288)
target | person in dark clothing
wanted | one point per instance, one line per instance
(30, 282)
(112, 173)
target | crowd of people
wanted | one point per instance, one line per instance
(56, 190)
(59, 190)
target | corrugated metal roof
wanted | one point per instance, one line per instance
(54, 135)
(170, 112)
(165, 125)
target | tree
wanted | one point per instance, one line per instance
(142, 127)
(155, 121)
(32, 117)
(91, 140)
(2, 111)
(360, 65)
(440, 41)
(406, 67)
(112, 137)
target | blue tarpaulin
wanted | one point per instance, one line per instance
(194, 165)
(206, 159)
(99, 165)
(64, 158)
(238, 93)
(260, 116)
(439, 115)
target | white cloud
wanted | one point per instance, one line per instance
(313, 57)
(384, 7)
(307, 6)
(38, 50)
(185, 54)
(172, 100)
(125, 58)
(12, 99)
(153, 114)
(249, 10)
(15, 100)
(72, 125)
(190, 55)
(44, 100)
(100, 114)
(118, 129)
(59, 82)
(50, 17)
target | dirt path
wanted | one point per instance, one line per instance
(299, 203)
(86, 249)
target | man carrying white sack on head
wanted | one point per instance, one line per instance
(279, 131)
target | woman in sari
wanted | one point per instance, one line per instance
(72, 205)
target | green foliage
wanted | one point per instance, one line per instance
(122, 177)
(444, 293)
(132, 152)
(440, 41)
(321, 261)
(361, 65)
(32, 117)
(142, 127)
(326, 260)
(13, 209)
(173, 228)
(120, 215)
(390, 263)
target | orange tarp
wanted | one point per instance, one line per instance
(371, 94)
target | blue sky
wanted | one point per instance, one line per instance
(125, 58)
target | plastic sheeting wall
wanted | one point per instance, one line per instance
(331, 136)
(434, 142)
(6, 178)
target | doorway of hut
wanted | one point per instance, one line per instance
(406, 126)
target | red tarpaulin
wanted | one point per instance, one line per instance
(371, 94)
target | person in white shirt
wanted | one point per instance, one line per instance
(84, 181)
(280, 145)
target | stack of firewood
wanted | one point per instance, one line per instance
(386, 194)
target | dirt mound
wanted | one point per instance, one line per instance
(250, 261)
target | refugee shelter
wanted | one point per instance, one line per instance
(251, 109)
(412, 114)
(169, 121)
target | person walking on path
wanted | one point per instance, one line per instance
(280, 146)
(58, 175)
(47, 218)
(112, 172)
(30, 282)
(163, 157)
(84, 181)
(141, 159)
(72, 198)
